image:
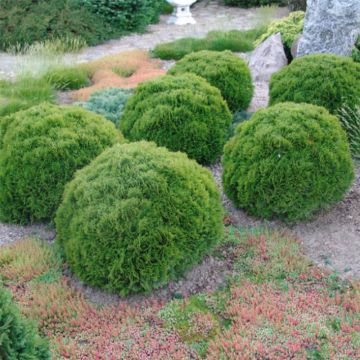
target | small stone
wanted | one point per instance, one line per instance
(269, 57)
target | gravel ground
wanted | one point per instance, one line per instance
(10, 233)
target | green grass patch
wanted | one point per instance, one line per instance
(68, 77)
(121, 71)
(234, 40)
(23, 94)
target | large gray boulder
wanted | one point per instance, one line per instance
(269, 57)
(331, 26)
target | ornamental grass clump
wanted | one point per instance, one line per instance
(183, 113)
(288, 162)
(137, 217)
(224, 70)
(350, 121)
(330, 81)
(40, 150)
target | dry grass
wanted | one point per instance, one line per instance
(123, 70)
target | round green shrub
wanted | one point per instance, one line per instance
(40, 150)
(288, 161)
(137, 217)
(182, 113)
(330, 81)
(224, 70)
(19, 339)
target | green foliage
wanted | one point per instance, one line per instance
(253, 3)
(224, 70)
(128, 15)
(234, 40)
(350, 121)
(18, 337)
(296, 5)
(182, 113)
(137, 217)
(289, 27)
(325, 80)
(23, 94)
(356, 51)
(288, 161)
(67, 78)
(167, 9)
(26, 21)
(40, 150)
(109, 103)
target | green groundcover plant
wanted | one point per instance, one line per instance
(289, 27)
(183, 113)
(40, 150)
(224, 70)
(137, 217)
(356, 51)
(330, 81)
(109, 103)
(234, 40)
(288, 162)
(19, 339)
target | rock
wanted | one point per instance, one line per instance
(268, 58)
(297, 5)
(295, 47)
(331, 26)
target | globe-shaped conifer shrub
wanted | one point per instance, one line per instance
(182, 113)
(325, 80)
(40, 150)
(19, 336)
(137, 217)
(287, 162)
(224, 70)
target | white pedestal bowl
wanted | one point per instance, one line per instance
(182, 14)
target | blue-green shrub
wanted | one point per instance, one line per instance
(109, 103)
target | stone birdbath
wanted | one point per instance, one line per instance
(182, 14)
